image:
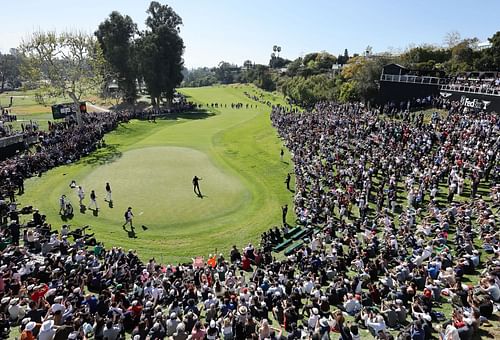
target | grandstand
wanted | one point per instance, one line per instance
(473, 89)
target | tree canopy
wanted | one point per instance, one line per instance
(160, 50)
(116, 38)
(68, 63)
(9, 70)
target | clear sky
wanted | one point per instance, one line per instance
(234, 31)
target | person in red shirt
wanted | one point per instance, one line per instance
(245, 263)
(136, 309)
(39, 292)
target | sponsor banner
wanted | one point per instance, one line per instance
(473, 100)
(60, 111)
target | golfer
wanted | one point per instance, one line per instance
(128, 217)
(81, 194)
(287, 181)
(284, 212)
(62, 204)
(108, 193)
(93, 201)
(196, 186)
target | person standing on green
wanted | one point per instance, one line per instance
(196, 186)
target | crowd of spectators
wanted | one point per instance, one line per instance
(353, 167)
(485, 84)
(403, 210)
(62, 143)
(6, 118)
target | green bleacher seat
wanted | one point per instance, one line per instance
(293, 231)
(300, 234)
(282, 245)
(290, 250)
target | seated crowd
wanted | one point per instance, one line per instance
(484, 84)
(401, 219)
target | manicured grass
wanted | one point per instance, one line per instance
(150, 166)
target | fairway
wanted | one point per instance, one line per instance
(150, 167)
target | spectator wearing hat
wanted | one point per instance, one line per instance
(47, 331)
(28, 331)
(172, 324)
(212, 331)
(180, 332)
(16, 311)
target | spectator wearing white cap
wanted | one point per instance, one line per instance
(212, 331)
(172, 323)
(47, 331)
(58, 305)
(27, 333)
(180, 332)
(16, 311)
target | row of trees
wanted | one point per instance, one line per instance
(153, 55)
(76, 63)
(321, 75)
(72, 63)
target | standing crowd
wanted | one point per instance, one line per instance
(403, 212)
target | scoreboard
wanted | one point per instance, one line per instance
(60, 111)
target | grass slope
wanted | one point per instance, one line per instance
(235, 151)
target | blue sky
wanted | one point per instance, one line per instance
(234, 31)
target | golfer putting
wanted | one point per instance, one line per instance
(196, 186)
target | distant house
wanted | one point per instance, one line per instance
(483, 45)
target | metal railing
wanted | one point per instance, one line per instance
(405, 78)
(471, 89)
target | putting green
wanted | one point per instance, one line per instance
(150, 167)
(156, 182)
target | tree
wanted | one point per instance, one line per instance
(247, 64)
(160, 50)
(277, 50)
(451, 39)
(115, 36)
(493, 53)
(197, 77)
(9, 70)
(277, 62)
(69, 63)
(423, 54)
(224, 72)
(294, 66)
(348, 92)
(342, 59)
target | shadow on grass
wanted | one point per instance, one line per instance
(196, 114)
(130, 233)
(105, 155)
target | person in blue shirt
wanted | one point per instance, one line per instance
(91, 301)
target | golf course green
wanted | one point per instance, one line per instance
(150, 167)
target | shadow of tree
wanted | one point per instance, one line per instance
(105, 155)
(197, 114)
